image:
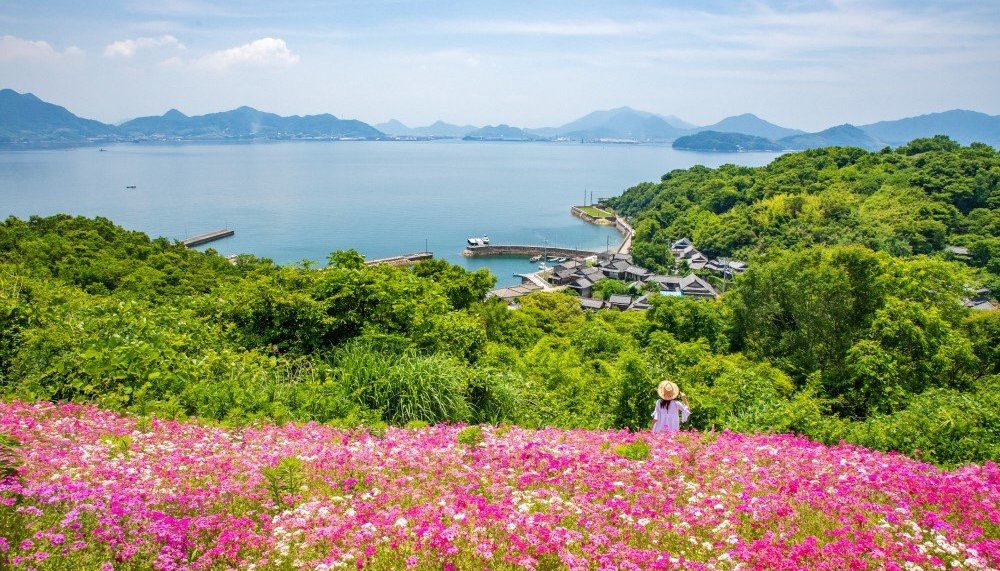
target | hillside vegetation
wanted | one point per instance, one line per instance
(848, 326)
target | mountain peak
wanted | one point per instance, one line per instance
(174, 114)
(750, 124)
(10, 93)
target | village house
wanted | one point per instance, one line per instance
(583, 286)
(620, 301)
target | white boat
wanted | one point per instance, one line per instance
(534, 259)
(476, 242)
(485, 239)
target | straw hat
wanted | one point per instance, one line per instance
(668, 390)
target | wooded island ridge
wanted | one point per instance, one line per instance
(26, 119)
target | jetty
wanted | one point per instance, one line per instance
(401, 260)
(527, 250)
(208, 237)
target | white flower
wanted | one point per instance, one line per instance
(401, 522)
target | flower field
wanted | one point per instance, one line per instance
(85, 488)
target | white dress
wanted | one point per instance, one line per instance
(670, 418)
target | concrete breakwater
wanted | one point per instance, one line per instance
(208, 237)
(526, 250)
(402, 260)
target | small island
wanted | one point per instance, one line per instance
(725, 142)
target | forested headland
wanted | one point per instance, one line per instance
(848, 325)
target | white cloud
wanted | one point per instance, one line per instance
(265, 52)
(128, 48)
(16, 49)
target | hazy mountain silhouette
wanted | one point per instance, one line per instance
(961, 125)
(840, 136)
(501, 133)
(623, 123)
(247, 122)
(24, 117)
(436, 129)
(750, 124)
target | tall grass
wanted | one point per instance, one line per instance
(406, 386)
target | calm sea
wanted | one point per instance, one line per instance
(291, 201)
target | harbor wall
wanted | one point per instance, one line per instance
(526, 250)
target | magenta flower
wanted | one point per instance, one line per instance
(175, 495)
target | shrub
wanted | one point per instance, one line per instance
(284, 480)
(638, 449)
(491, 396)
(9, 461)
(470, 436)
(413, 387)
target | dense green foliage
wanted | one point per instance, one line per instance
(913, 200)
(847, 326)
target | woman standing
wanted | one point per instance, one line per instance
(669, 412)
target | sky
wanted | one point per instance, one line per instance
(802, 64)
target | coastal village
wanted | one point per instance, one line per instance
(581, 273)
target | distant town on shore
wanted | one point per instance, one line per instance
(26, 120)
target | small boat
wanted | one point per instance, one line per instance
(534, 259)
(130, 187)
(560, 260)
(102, 150)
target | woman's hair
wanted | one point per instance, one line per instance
(665, 403)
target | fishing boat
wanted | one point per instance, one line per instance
(534, 259)
(130, 186)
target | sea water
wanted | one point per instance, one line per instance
(294, 201)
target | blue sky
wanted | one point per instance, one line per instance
(798, 63)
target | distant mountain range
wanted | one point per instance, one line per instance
(963, 126)
(839, 136)
(247, 122)
(501, 133)
(26, 119)
(436, 130)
